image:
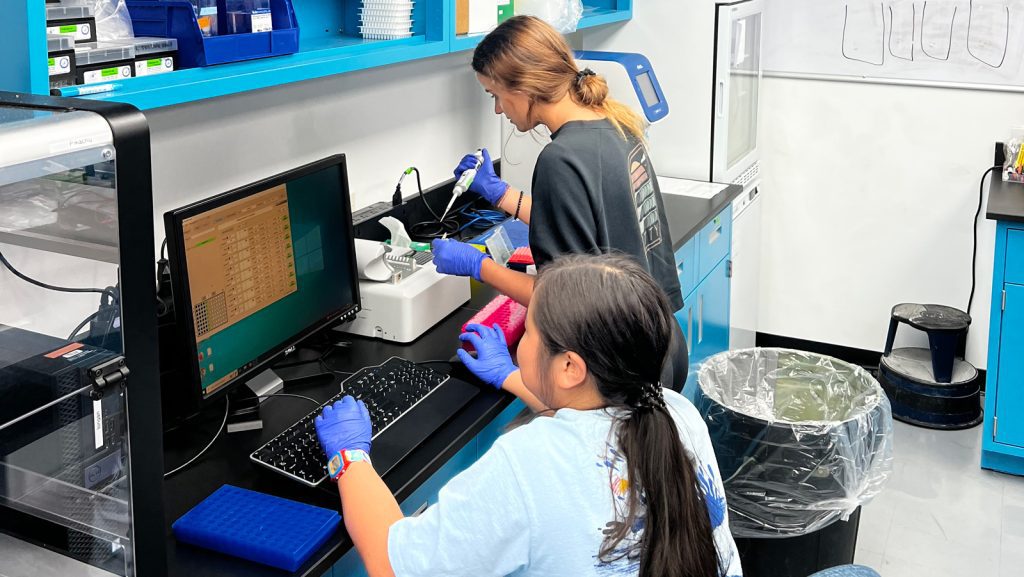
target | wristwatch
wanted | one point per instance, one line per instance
(338, 464)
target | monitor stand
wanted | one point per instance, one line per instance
(246, 400)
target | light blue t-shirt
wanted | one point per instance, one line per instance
(539, 503)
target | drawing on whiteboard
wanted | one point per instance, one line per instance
(864, 33)
(934, 32)
(988, 33)
(902, 25)
(975, 43)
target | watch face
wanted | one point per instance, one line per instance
(334, 465)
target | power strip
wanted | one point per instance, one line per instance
(370, 212)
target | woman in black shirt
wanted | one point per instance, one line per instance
(594, 189)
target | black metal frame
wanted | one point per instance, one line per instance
(138, 317)
(182, 298)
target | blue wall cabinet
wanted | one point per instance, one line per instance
(1003, 437)
(329, 44)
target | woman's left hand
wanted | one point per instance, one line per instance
(493, 363)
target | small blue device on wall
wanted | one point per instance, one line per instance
(625, 70)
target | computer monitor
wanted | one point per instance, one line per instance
(256, 270)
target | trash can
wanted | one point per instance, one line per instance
(802, 440)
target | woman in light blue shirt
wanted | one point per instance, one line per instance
(618, 478)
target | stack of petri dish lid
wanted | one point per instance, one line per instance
(385, 19)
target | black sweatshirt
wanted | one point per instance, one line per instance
(596, 192)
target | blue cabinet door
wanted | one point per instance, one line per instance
(711, 311)
(686, 266)
(714, 242)
(1010, 393)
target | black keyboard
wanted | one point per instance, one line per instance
(397, 392)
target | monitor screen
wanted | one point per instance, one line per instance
(643, 80)
(260, 268)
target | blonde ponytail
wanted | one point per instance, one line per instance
(591, 90)
(526, 54)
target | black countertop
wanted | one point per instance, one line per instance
(1005, 199)
(688, 214)
(227, 461)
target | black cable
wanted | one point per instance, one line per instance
(15, 272)
(329, 369)
(435, 229)
(220, 429)
(974, 243)
(428, 228)
(163, 249)
(310, 399)
(437, 361)
(89, 318)
(419, 189)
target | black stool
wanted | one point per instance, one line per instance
(933, 387)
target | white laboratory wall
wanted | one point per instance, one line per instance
(426, 113)
(678, 39)
(870, 194)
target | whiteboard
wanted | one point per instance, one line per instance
(963, 42)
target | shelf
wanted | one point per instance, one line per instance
(323, 52)
(318, 58)
(592, 16)
(56, 242)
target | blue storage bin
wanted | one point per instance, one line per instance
(177, 19)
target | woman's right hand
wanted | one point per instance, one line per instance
(486, 183)
(493, 363)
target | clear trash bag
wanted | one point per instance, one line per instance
(563, 15)
(802, 440)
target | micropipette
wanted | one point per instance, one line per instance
(462, 185)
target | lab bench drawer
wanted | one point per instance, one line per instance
(713, 243)
(686, 267)
(1014, 272)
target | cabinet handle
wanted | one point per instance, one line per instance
(689, 327)
(720, 98)
(700, 319)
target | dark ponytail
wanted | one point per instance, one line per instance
(622, 330)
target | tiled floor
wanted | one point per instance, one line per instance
(941, 515)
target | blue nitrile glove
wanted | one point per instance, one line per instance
(344, 426)
(485, 183)
(457, 258)
(493, 363)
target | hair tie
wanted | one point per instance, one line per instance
(650, 397)
(583, 74)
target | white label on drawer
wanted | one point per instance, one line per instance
(60, 65)
(107, 74)
(262, 22)
(97, 423)
(154, 66)
(76, 31)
